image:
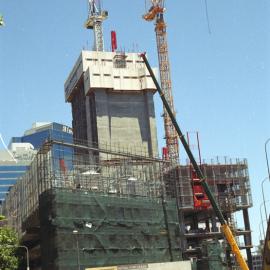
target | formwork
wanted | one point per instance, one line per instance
(118, 207)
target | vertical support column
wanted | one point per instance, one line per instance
(103, 118)
(214, 224)
(207, 225)
(79, 114)
(92, 133)
(228, 258)
(195, 223)
(247, 238)
(152, 132)
(183, 239)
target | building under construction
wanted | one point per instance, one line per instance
(123, 208)
(112, 102)
(229, 182)
(106, 198)
(113, 212)
(111, 94)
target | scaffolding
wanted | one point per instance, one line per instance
(229, 182)
(117, 205)
(81, 169)
(227, 178)
(77, 165)
(71, 166)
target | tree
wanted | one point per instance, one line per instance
(8, 243)
(1, 20)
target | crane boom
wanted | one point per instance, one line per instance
(95, 19)
(156, 12)
(224, 226)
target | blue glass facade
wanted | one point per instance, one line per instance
(53, 131)
(37, 136)
(8, 177)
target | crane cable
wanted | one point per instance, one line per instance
(207, 17)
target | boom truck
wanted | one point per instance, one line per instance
(224, 226)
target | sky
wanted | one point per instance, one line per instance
(220, 75)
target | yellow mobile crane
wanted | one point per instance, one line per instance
(156, 12)
(224, 226)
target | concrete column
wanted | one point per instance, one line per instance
(207, 225)
(102, 116)
(214, 224)
(150, 111)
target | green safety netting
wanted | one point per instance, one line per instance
(110, 230)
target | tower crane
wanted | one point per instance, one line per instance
(156, 12)
(96, 16)
(172, 129)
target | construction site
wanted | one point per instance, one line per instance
(123, 207)
(108, 199)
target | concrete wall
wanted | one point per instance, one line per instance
(183, 265)
(126, 120)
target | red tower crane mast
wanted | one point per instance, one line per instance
(156, 12)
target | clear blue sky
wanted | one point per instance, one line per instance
(220, 80)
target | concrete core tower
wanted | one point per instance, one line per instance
(112, 101)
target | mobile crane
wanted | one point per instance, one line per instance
(172, 129)
(224, 226)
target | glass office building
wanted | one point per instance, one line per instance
(15, 160)
(42, 131)
(9, 173)
(13, 164)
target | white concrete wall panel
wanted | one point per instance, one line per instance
(99, 71)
